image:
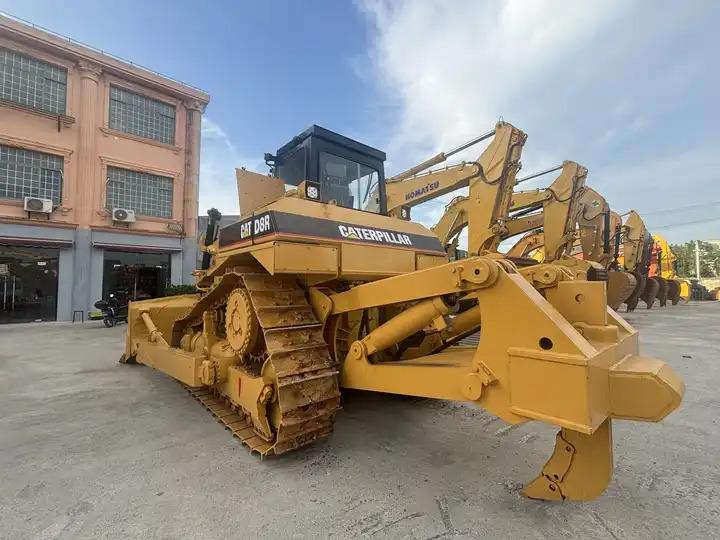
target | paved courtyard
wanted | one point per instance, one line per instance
(90, 448)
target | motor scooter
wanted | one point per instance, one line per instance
(114, 309)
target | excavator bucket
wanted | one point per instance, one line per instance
(650, 292)
(663, 290)
(620, 287)
(634, 298)
(674, 291)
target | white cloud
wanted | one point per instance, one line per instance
(218, 159)
(603, 83)
(455, 67)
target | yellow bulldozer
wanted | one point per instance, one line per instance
(315, 289)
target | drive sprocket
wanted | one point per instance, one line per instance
(241, 324)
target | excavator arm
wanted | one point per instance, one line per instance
(404, 194)
(490, 179)
(560, 203)
(638, 246)
(453, 220)
(665, 263)
(410, 188)
(490, 196)
(634, 239)
(527, 244)
(591, 223)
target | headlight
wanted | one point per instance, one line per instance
(312, 190)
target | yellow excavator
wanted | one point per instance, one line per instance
(486, 208)
(486, 211)
(600, 241)
(552, 208)
(550, 218)
(316, 289)
(662, 266)
(637, 248)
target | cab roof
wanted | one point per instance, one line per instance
(335, 138)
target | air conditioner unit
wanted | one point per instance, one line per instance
(36, 204)
(123, 214)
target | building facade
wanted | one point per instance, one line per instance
(99, 167)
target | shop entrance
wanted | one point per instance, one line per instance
(135, 274)
(28, 284)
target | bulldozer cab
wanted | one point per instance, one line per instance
(332, 168)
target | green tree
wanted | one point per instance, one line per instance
(709, 259)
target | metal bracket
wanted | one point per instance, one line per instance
(473, 383)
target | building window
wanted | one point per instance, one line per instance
(32, 83)
(26, 173)
(142, 116)
(147, 194)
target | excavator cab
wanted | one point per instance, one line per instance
(332, 168)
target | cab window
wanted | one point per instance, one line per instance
(348, 183)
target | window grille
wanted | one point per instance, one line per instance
(26, 173)
(147, 194)
(32, 83)
(142, 116)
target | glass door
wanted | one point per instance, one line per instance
(28, 284)
(138, 275)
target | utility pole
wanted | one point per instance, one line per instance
(697, 259)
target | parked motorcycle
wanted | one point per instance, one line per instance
(114, 309)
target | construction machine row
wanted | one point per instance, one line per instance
(567, 223)
(329, 285)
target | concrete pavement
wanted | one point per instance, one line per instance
(90, 448)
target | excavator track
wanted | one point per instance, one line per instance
(306, 387)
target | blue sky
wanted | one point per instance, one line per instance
(628, 89)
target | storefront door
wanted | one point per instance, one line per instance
(139, 275)
(28, 284)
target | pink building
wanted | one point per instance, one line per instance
(99, 165)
